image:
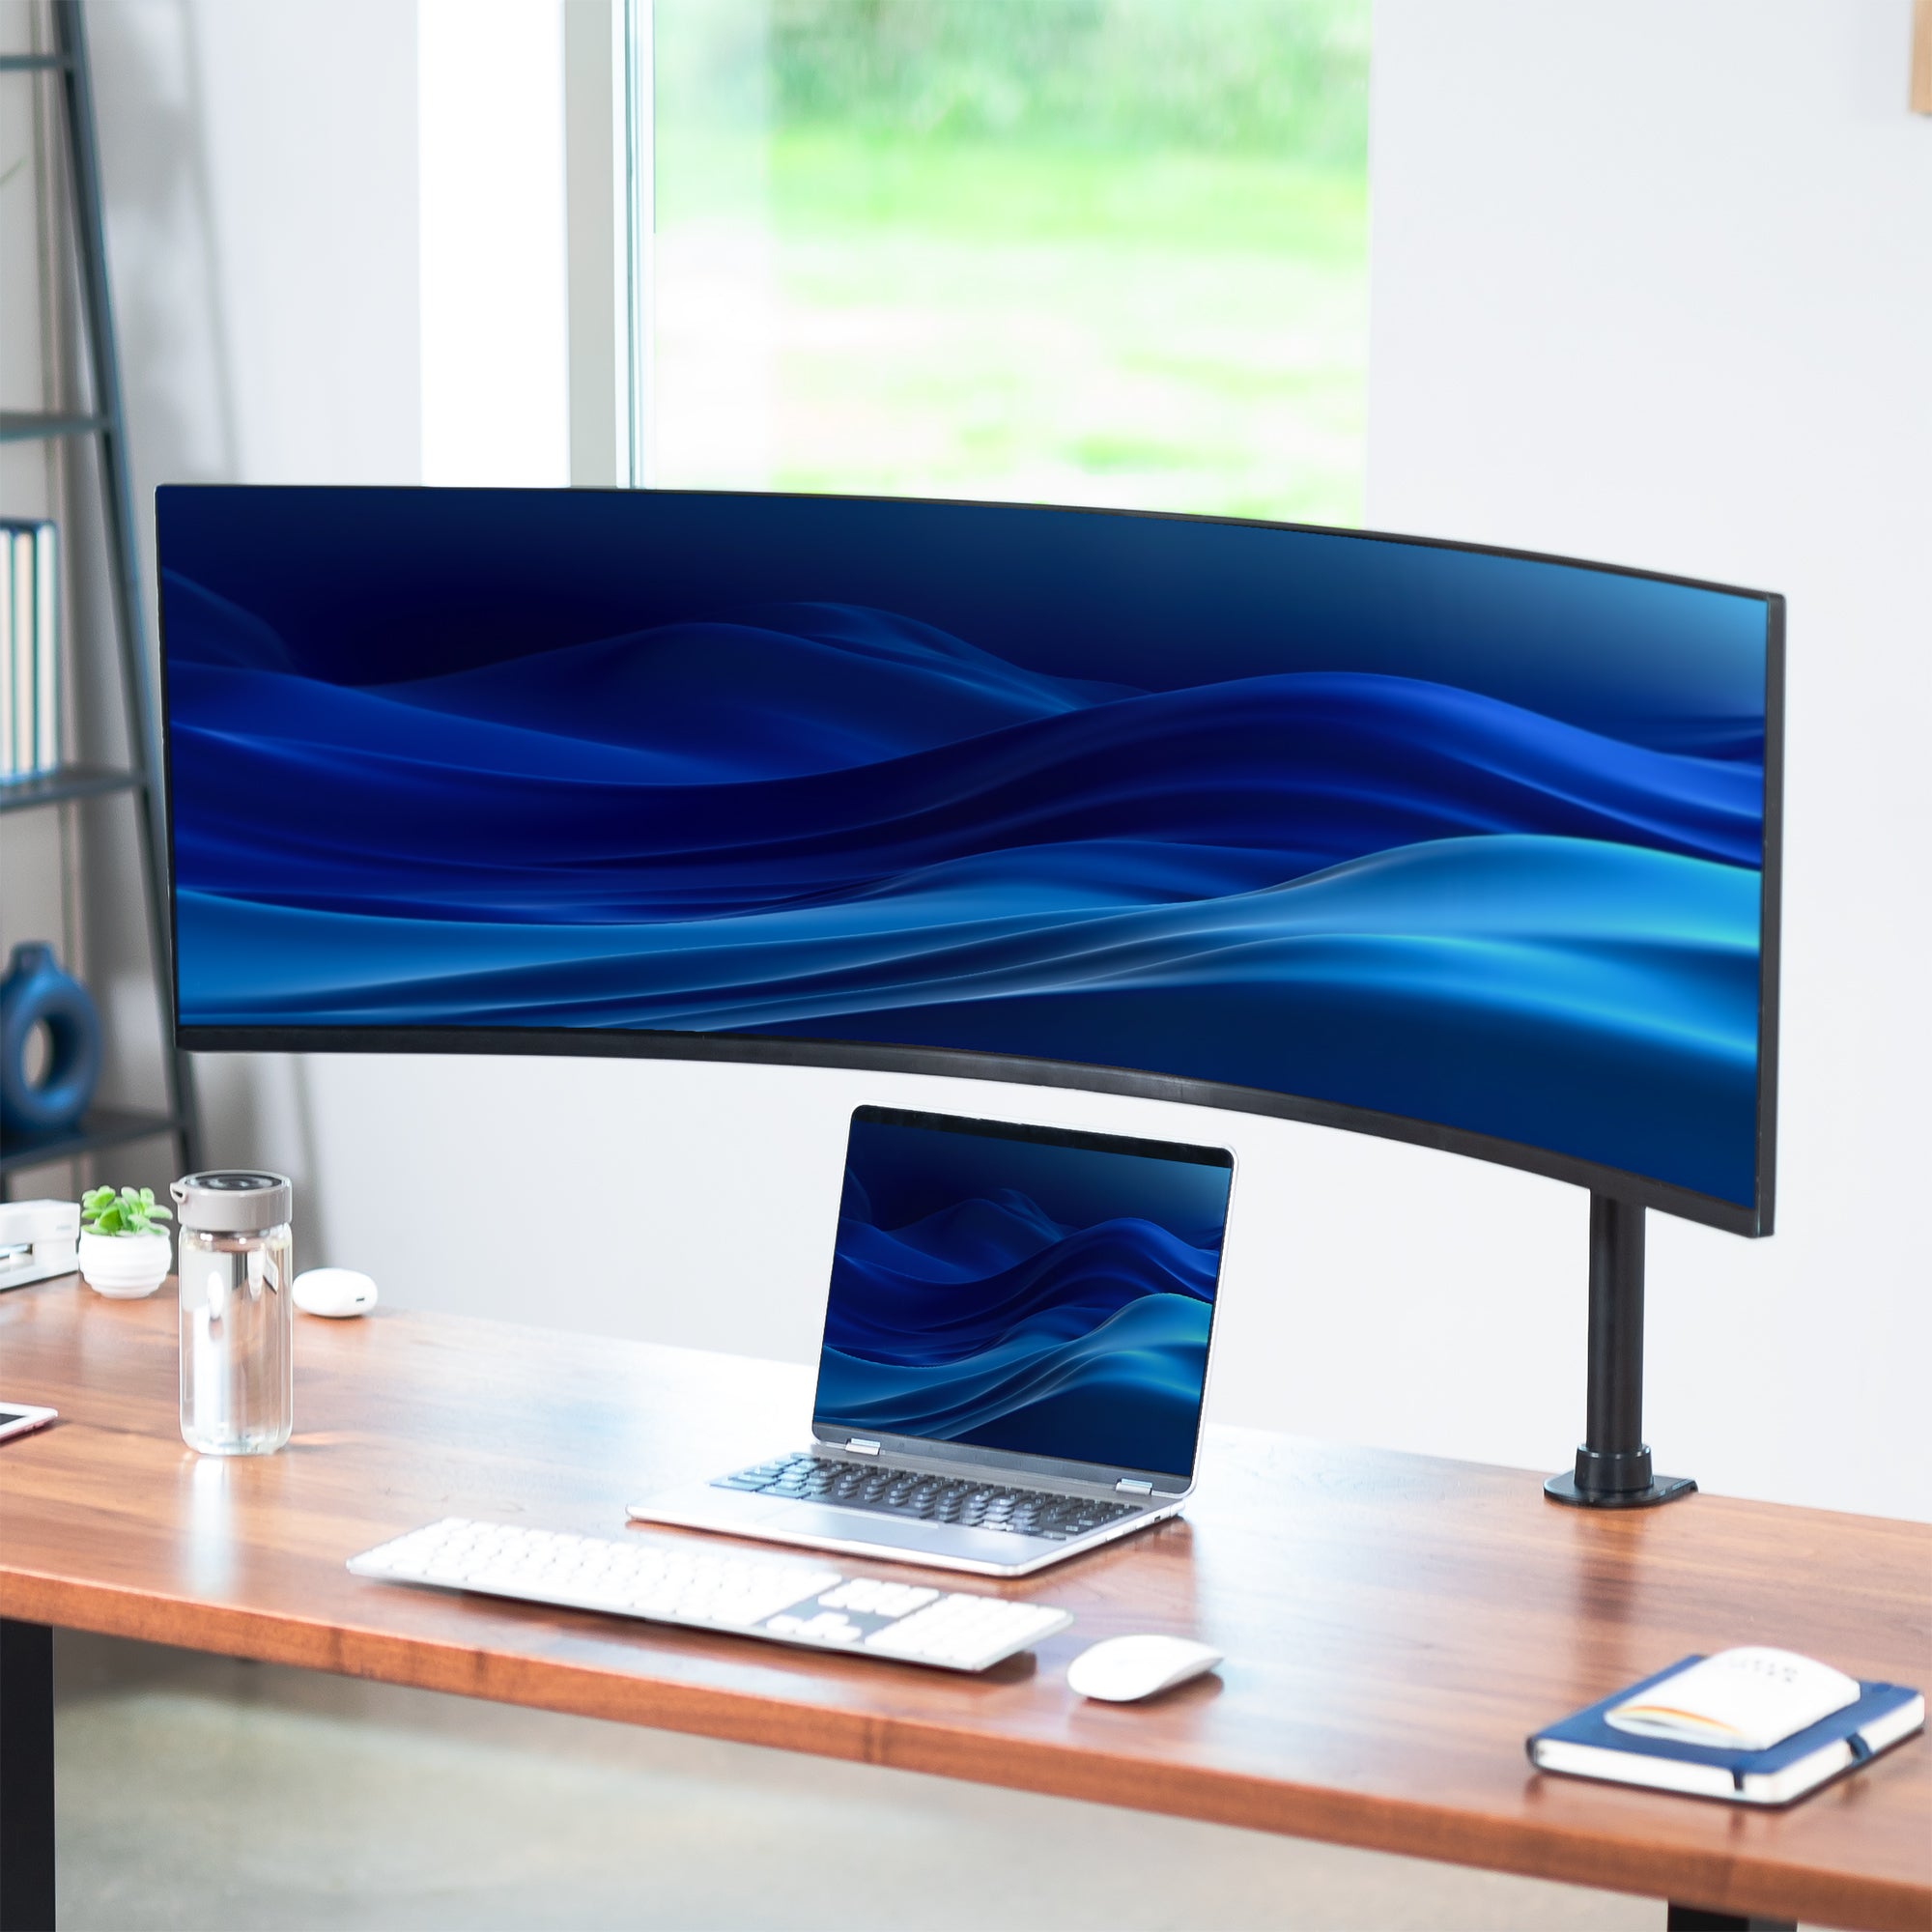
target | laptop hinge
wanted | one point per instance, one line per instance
(1132, 1485)
(859, 1448)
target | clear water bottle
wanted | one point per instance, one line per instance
(238, 1381)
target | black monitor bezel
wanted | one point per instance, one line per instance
(1755, 1219)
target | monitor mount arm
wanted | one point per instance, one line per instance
(1613, 1460)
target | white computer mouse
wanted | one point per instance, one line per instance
(1123, 1668)
(334, 1291)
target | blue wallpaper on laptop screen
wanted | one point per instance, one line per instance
(1469, 839)
(1019, 1295)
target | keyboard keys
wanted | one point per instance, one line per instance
(826, 1625)
(777, 1597)
(969, 1502)
(875, 1594)
(957, 1629)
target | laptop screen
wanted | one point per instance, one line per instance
(1024, 1290)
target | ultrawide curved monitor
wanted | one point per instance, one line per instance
(1466, 848)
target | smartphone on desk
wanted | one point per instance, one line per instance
(16, 1419)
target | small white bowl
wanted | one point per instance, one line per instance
(124, 1268)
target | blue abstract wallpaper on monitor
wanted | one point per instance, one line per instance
(1050, 1300)
(1469, 839)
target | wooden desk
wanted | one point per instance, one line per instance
(1395, 1625)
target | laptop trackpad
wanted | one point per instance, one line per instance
(907, 1533)
(705, 1506)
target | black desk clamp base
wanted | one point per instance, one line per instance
(1564, 1489)
(1613, 1463)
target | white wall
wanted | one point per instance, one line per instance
(261, 173)
(495, 364)
(1645, 287)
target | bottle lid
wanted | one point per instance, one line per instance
(233, 1201)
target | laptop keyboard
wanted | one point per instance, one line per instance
(912, 1492)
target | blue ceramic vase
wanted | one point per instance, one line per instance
(36, 993)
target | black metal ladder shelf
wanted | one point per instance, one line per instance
(102, 419)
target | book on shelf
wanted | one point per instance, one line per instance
(46, 648)
(30, 709)
(6, 770)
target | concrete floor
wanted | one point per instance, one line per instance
(197, 1792)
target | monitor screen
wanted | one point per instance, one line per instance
(1021, 1290)
(1459, 846)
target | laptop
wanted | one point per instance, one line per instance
(1015, 1353)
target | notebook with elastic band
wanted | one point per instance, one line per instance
(1587, 1745)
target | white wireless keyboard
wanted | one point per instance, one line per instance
(772, 1597)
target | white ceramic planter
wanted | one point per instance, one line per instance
(126, 1266)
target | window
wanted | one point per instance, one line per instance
(1094, 251)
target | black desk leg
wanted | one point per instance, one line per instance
(26, 1778)
(1694, 1918)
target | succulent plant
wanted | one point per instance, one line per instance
(133, 1210)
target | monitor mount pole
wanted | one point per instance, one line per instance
(1614, 1462)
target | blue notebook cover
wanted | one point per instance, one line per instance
(1587, 1728)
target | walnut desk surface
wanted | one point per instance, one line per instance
(1395, 1625)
